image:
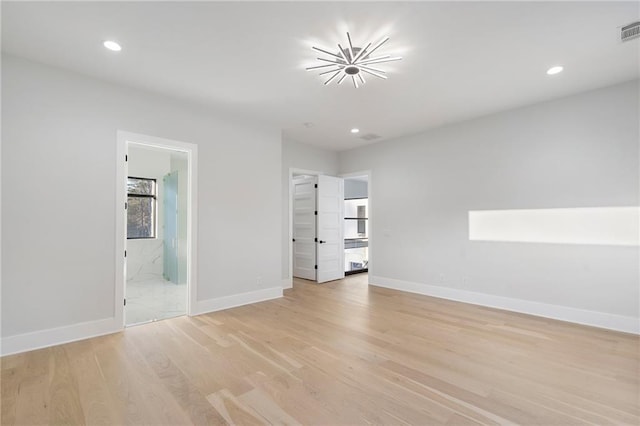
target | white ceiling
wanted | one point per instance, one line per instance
(461, 59)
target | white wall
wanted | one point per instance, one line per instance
(303, 157)
(58, 200)
(145, 256)
(579, 151)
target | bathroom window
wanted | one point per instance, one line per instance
(141, 208)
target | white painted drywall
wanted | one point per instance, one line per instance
(302, 157)
(145, 256)
(579, 151)
(59, 133)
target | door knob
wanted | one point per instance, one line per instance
(321, 242)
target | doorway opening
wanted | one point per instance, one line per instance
(356, 224)
(157, 185)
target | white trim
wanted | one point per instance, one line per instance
(370, 220)
(287, 282)
(563, 313)
(59, 335)
(235, 300)
(192, 220)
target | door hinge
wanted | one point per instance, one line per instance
(315, 186)
(125, 253)
(316, 212)
(126, 205)
(126, 158)
(316, 267)
(125, 302)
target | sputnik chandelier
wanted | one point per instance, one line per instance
(352, 62)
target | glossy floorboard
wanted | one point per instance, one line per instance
(337, 353)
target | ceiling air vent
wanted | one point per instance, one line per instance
(370, 137)
(629, 32)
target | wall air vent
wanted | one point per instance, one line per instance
(370, 137)
(629, 32)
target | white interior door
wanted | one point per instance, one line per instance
(330, 228)
(304, 228)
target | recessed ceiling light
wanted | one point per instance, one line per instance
(112, 45)
(352, 61)
(555, 70)
(355, 130)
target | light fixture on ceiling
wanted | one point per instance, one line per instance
(112, 45)
(555, 70)
(352, 61)
(355, 130)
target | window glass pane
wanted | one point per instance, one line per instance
(141, 186)
(141, 217)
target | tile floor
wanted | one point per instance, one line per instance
(154, 299)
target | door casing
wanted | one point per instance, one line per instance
(123, 139)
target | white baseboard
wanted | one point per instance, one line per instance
(57, 336)
(563, 313)
(287, 282)
(226, 302)
(60, 335)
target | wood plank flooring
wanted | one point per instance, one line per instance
(332, 354)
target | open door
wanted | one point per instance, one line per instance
(330, 229)
(304, 228)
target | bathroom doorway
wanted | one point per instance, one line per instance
(158, 181)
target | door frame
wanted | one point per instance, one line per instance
(369, 176)
(288, 282)
(123, 140)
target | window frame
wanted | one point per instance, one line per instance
(154, 207)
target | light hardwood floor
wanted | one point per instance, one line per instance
(337, 353)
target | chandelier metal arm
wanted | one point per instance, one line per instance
(327, 52)
(379, 61)
(332, 77)
(361, 53)
(318, 66)
(374, 73)
(364, 61)
(378, 45)
(343, 55)
(332, 61)
(331, 70)
(372, 69)
(350, 49)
